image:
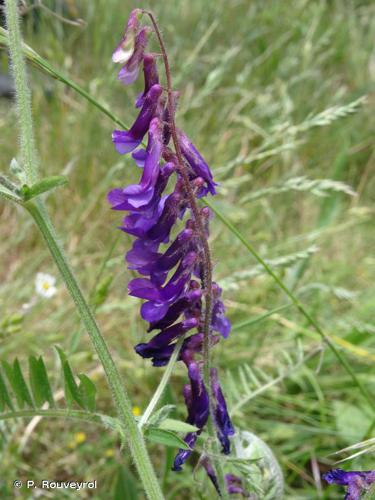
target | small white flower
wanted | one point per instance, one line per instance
(45, 285)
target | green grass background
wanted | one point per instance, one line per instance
(252, 76)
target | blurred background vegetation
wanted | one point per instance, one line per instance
(272, 94)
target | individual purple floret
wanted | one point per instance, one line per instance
(129, 72)
(127, 141)
(151, 77)
(196, 399)
(170, 231)
(223, 424)
(197, 163)
(356, 481)
(125, 49)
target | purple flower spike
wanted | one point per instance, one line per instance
(356, 481)
(126, 141)
(223, 424)
(129, 73)
(171, 262)
(151, 76)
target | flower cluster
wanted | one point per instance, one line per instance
(172, 268)
(356, 481)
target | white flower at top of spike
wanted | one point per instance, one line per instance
(45, 285)
(125, 49)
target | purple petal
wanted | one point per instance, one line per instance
(125, 49)
(153, 311)
(126, 141)
(151, 77)
(139, 157)
(129, 73)
(196, 161)
(223, 424)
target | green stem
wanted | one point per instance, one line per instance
(341, 358)
(120, 397)
(162, 385)
(23, 94)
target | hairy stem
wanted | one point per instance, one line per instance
(162, 385)
(23, 94)
(207, 278)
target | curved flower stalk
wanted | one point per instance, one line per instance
(356, 481)
(180, 298)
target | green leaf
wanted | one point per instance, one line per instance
(8, 190)
(101, 291)
(170, 424)
(87, 392)
(161, 415)
(164, 437)
(126, 485)
(39, 382)
(18, 384)
(4, 396)
(72, 392)
(46, 184)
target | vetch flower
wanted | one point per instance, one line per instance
(151, 77)
(45, 285)
(172, 264)
(356, 481)
(196, 399)
(130, 50)
(224, 427)
(127, 141)
(129, 73)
